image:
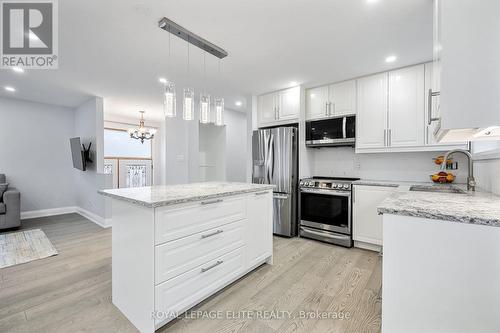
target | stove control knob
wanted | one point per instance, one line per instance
(301, 183)
(334, 185)
(311, 184)
(346, 186)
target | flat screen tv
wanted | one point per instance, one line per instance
(77, 154)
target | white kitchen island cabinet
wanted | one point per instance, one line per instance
(441, 262)
(174, 246)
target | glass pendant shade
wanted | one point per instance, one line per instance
(219, 111)
(204, 108)
(169, 100)
(188, 104)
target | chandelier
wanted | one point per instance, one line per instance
(142, 133)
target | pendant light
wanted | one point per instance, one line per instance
(219, 108)
(188, 95)
(204, 97)
(169, 98)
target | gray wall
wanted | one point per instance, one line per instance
(36, 157)
(89, 127)
(35, 153)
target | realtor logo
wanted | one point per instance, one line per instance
(29, 34)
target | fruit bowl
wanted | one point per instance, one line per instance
(443, 177)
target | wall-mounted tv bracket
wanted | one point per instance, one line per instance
(86, 153)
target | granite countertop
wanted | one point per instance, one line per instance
(472, 207)
(157, 196)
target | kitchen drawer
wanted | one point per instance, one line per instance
(184, 220)
(184, 291)
(181, 255)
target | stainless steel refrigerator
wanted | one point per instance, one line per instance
(274, 153)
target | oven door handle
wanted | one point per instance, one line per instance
(327, 192)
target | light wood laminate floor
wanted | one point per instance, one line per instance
(71, 292)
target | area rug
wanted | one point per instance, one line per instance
(24, 246)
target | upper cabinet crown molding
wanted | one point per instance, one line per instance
(279, 107)
(331, 100)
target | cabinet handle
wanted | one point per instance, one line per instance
(203, 270)
(261, 193)
(429, 106)
(385, 138)
(212, 234)
(211, 202)
(326, 108)
(277, 112)
(389, 137)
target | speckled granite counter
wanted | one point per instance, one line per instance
(157, 196)
(472, 207)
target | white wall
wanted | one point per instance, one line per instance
(343, 162)
(212, 153)
(236, 146)
(89, 124)
(487, 165)
(35, 153)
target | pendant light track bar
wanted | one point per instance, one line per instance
(191, 38)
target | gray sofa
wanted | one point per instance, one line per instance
(10, 207)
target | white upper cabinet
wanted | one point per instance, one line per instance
(342, 98)
(467, 47)
(406, 107)
(279, 107)
(289, 104)
(371, 124)
(333, 100)
(317, 103)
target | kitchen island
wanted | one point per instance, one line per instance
(441, 266)
(174, 246)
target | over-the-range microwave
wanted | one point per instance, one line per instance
(338, 131)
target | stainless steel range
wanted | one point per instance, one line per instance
(325, 209)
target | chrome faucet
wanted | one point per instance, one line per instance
(471, 182)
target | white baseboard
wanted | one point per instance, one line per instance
(100, 221)
(47, 212)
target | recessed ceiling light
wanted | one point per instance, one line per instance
(18, 69)
(293, 83)
(162, 80)
(238, 103)
(391, 58)
(11, 89)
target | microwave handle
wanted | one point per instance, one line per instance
(344, 121)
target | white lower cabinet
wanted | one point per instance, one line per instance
(168, 259)
(367, 224)
(259, 233)
(184, 291)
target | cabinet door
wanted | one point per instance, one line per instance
(289, 103)
(267, 109)
(367, 224)
(371, 120)
(406, 107)
(469, 33)
(342, 97)
(317, 103)
(259, 227)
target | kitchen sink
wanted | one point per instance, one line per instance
(438, 189)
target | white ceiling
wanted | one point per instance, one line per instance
(115, 49)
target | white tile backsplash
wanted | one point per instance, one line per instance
(342, 161)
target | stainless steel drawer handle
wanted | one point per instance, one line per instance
(211, 202)
(203, 270)
(261, 193)
(212, 234)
